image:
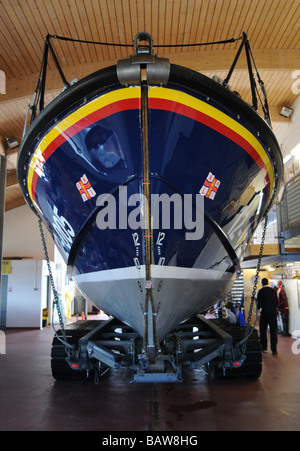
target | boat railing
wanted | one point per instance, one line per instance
(259, 96)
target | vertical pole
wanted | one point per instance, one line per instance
(150, 323)
(3, 162)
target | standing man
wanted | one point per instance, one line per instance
(267, 302)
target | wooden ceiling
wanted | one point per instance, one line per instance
(272, 27)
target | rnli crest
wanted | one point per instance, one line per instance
(85, 188)
(210, 187)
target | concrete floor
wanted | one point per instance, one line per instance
(31, 400)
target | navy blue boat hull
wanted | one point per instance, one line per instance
(203, 143)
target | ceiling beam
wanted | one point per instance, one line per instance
(271, 59)
(11, 178)
(18, 202)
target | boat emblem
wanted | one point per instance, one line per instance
(148, 284)
(85, 188)
(210, 187)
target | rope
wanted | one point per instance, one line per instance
(63, 38)
(227, 41)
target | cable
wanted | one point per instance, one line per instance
(63, 38)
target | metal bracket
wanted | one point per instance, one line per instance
(129, 69)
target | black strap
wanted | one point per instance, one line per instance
(225, 241)
(63, 38)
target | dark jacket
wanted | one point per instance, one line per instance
(267, 301)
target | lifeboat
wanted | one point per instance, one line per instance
(152, 179)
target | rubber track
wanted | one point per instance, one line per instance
(252, 367)
(60, 368)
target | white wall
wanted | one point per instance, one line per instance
(26, 295)
(292, 287)
(21, 237)
(292, 290)
(288, 135)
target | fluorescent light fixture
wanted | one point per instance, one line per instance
(286, 112)
(287, 158)
(12, 143)
(296, 151)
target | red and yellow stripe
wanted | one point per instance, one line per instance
(189, 106)
(97, 109)
(159, 98)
